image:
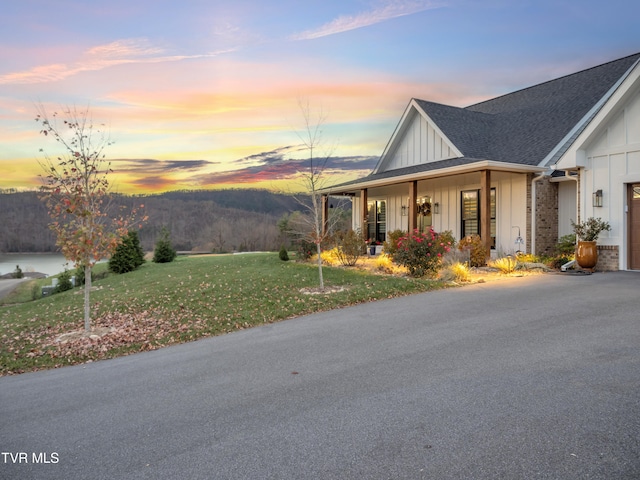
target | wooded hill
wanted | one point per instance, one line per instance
(203, 220)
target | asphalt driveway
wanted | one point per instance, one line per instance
(535, 377)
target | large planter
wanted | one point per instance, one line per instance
(587, 254)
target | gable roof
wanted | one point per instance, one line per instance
(533, 121)
(524, 127)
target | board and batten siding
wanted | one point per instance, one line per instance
(420, 143)
(510, 203)
(567, 211)
(613, 161)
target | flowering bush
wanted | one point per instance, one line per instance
(421, 253)
(304, 250)
(390, 246)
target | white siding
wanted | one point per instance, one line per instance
(613, 160)
(567, 211)
(419, 143)
(511, 205)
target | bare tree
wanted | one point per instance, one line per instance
(313, 178)
(77, 194)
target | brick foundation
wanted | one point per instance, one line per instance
(546, 217)
(608, 258)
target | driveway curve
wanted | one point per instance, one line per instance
(533, 377)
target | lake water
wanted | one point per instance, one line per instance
(47, 263)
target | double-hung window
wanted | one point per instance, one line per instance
(377, 220)
(471, 214)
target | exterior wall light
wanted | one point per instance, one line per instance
(403, 210)
(597, 198)
(436, 208)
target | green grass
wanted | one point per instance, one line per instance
(190, 298)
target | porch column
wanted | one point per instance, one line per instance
(363, 212)
(485, 209)
(325, 214)
(412, 207)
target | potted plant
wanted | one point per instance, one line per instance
(587, 233)
(372, 246)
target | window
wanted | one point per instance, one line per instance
(377, 220)
(470, 205)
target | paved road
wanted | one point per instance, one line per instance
(536, 377)
(8, 284)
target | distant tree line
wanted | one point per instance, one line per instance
(213, 221)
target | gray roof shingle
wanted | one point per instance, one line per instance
(524, 126)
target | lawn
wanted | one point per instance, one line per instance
(164, 304)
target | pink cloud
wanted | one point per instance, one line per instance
(119, 52)
(387, 10)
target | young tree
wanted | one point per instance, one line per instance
(77, 194)
(313, 179)
(164, 251)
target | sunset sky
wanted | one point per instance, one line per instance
(201, 94)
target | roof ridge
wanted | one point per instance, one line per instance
(464, 110)
(637, 54)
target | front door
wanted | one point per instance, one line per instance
(634, 226)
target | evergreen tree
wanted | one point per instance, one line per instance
(64, 282)
(164, 251)
(128, 255)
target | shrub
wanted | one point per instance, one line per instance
(128, 255)
(390, 246)
(17, 273)
(477, 250)
(36, 291)
(558, 261)
(384, 263)
(164, 251)
(448, 238)
(305, 249)
(350, 247)
(528, 258)
(284, 256)
(421, 253)
(566, 245)
(64, 282)
(506, 264)
(455, 272)
(329, 257)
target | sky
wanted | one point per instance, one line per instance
(210, 94)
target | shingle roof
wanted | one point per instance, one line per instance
(524, 126)
(410, 170)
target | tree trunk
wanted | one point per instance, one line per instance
(320, 265)
(87, 290)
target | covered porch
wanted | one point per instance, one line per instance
(490, 199)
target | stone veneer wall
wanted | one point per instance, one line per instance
(528, 228)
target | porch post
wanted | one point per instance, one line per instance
(485, 209)
(325, 214)
(413, 199)
(363, 212)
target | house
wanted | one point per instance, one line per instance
(516, 169)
